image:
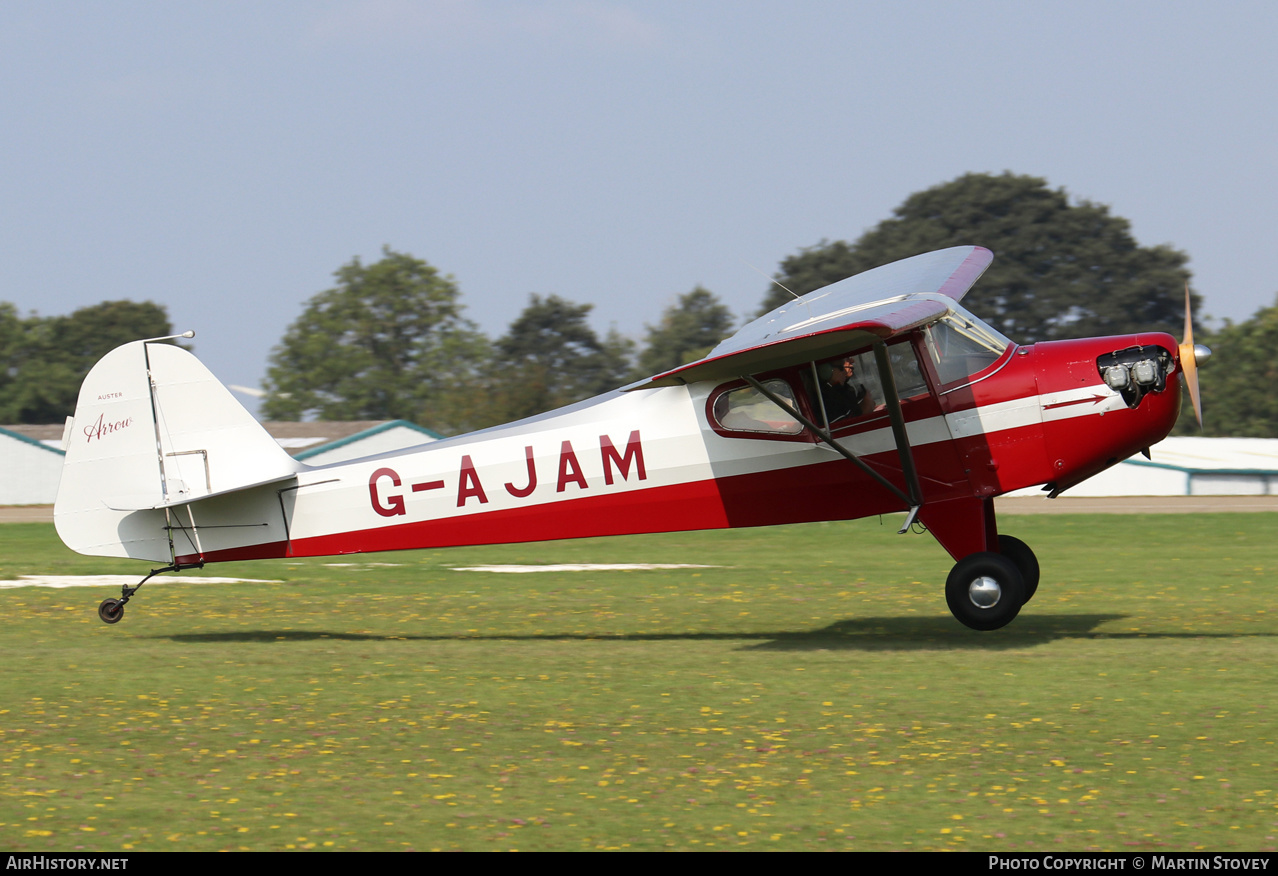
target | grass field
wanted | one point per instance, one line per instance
(810, 692)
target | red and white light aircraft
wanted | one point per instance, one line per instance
(876, 394)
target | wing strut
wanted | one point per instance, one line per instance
(911, 476)
(888, 381)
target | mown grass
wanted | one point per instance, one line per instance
(812, 692)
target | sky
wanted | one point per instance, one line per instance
(225, 158)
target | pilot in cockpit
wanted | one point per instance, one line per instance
(843, 397)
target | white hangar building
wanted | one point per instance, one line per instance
(1190, 467)
(29, 469)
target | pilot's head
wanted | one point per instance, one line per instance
(833, 373)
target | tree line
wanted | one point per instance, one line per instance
(390, 339)
(43, 359)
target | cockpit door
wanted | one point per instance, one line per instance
(990, 406)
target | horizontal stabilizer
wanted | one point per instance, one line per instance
(143, 502)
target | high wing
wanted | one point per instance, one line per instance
(873, 306)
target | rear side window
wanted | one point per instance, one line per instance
(748, 410)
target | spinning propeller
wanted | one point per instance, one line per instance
(1191, 356)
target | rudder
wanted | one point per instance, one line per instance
(154, 429)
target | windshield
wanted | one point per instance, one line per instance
(961, 345)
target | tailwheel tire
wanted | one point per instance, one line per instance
(111, 610)
(985, 591)
(1020, 554)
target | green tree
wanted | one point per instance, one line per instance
(688, 330)
(387, 342)
(1060, 270)
(551, 357)
(11, 336)
(45, 359)
(619, 355)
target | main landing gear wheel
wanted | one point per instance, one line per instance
(1020, 554)
(111, 610)
(985, 591)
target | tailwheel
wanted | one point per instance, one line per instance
(111, 610)
(985, 591)
(1020, 554)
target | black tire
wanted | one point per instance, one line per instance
(111, 610)
(985, 591)
(1019, 553)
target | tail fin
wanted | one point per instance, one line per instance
(154, 429)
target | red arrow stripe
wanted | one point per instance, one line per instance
(1078, 401)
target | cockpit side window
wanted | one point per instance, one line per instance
(837, 393)
(851, 386)
(745, 409)
(961, 345)
(906, 373)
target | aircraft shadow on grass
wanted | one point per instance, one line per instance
(859, 634)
